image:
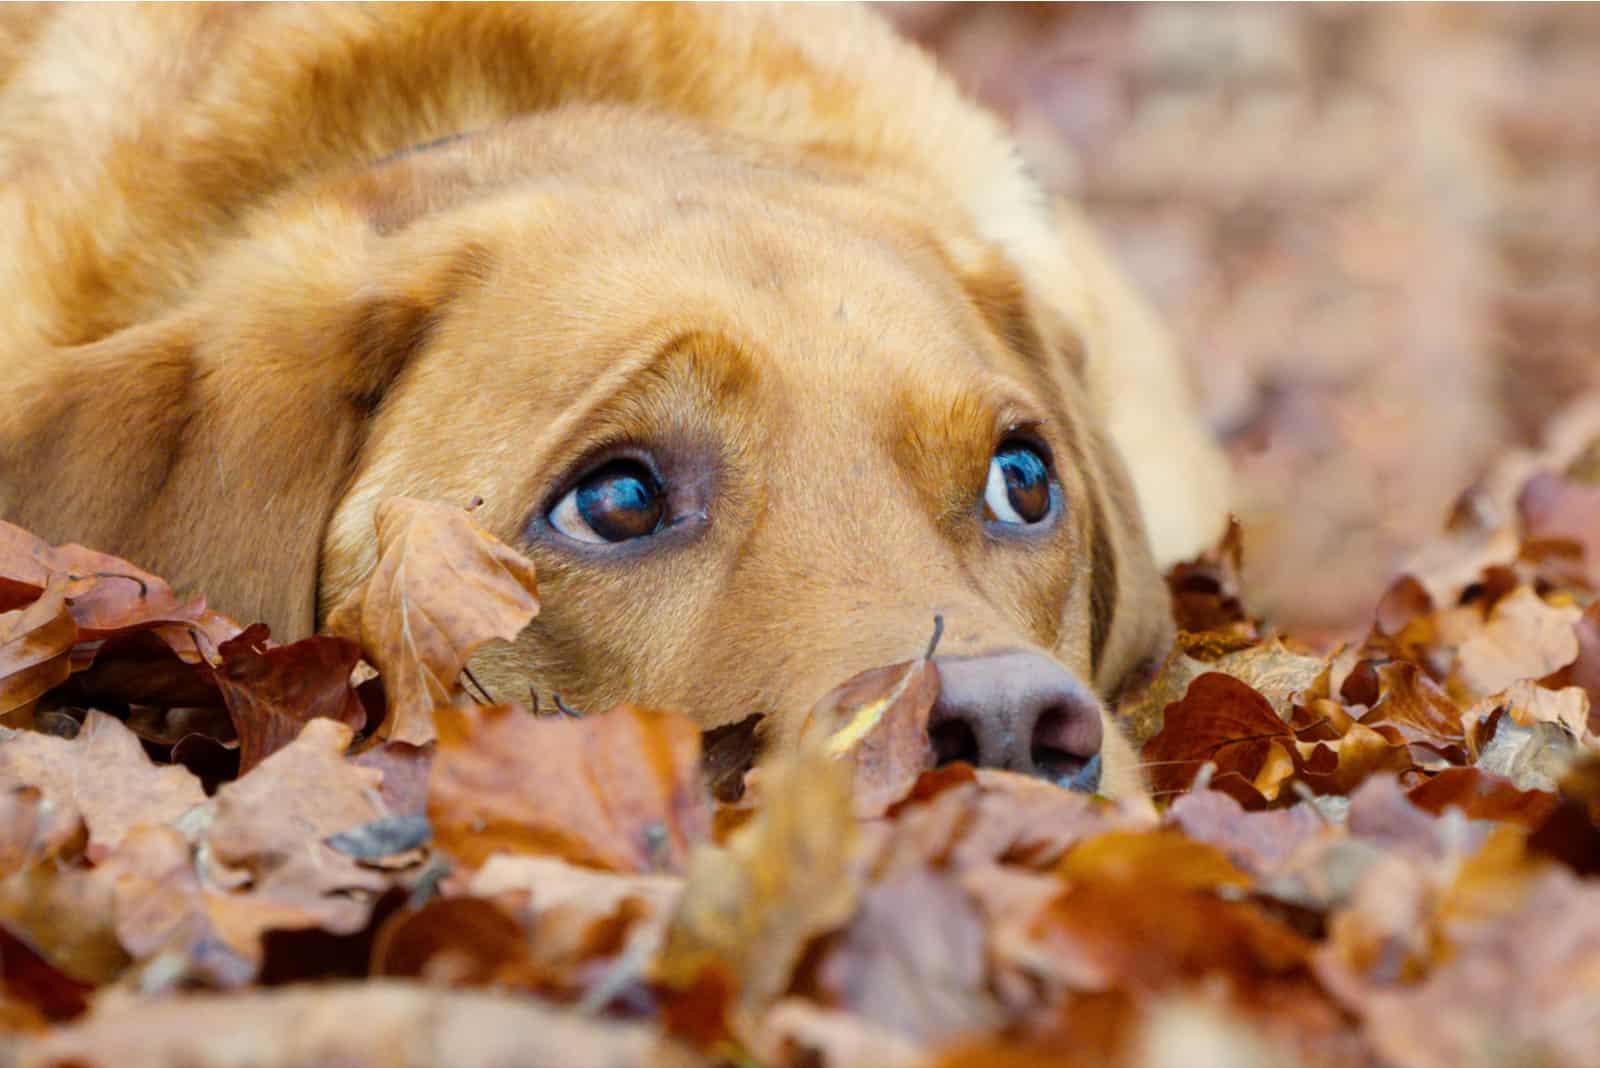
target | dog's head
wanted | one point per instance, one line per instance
(756, 419)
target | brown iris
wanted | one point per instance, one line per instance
(621, 500)
(1027, 480)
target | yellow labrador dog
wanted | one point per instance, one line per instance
(746, 326)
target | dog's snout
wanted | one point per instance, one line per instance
(1020, 711)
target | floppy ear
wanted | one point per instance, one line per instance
(211, 446)
(1129, 609)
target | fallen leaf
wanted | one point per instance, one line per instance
(797, 1032)
(35, 646)
(405, 771)
(1521, 990)
(620, 790)
(1554, 508)
(63, 913)
(877, 722)
(912, 961)
(1524, 637)
(443, 586)
(272, 691)
(1482, 796)
(1224, 722)
(1258, 842)
(750, 909)
(272, 825)
(400, 1024)
(191, 932)
(103, 774)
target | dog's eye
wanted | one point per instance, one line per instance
(617, 502)
(1018, 490)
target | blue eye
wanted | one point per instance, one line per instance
(618, 502)
(1018, 489)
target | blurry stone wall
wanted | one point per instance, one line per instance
(1374, 230)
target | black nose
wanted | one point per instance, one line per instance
(1021, 711)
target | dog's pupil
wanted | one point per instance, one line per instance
(1027, 481)
(621, 501)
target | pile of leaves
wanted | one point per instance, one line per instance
(215, 850)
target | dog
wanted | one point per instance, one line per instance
(744, 324)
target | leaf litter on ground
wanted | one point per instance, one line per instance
(1384, 853)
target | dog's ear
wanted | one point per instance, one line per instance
(1129, 614)
(211, 446)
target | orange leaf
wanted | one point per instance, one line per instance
(620, 791)
(35, 647)
(443, 586)
(1222, 721)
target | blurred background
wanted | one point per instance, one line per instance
(1373, 229)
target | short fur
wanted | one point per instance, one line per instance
(772, 244)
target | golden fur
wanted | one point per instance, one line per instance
(772, 241)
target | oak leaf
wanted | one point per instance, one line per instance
(443, 586)
(270, 827)
(103, 774)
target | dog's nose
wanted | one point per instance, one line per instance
(1021, 711)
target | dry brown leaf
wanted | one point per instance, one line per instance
(455, 941)
(443, 586)
(375, 1024)
(912, 961)
(166, 913)
(405, 771)
(1525, 637)
(1521, 989)
(877, 723)
(272, 691)
(797, 1033)
(1104, 934)
(35, 646)
(271, 825)
(63, 913)
(576, 916)
(103, 774)
(1553, 508)
(1258, 842)
(1224, 722)
(750, 909)
(1528, 703)
(1414, 705)
(619, 790)
(33, 828)
(1482, 796)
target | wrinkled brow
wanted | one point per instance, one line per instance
(671, 387)
(944, 436)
